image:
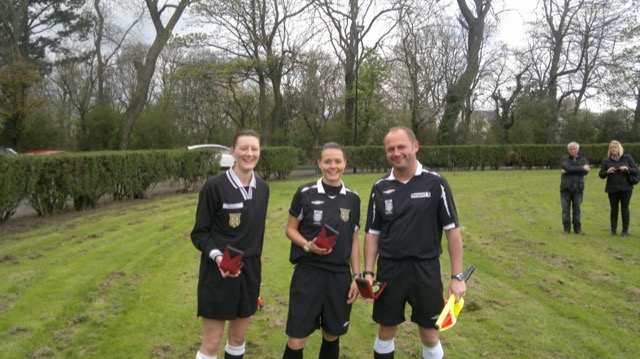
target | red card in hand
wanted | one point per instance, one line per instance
(327, 237)
(231, 260)
(368, 290)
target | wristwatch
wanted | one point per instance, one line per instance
(458, 276)
(306, 247)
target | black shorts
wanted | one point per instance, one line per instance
(318, 298)
(417, 282)
(229, 298)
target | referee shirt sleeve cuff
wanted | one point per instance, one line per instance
(450, 226)
(214, 253)
(374, 231)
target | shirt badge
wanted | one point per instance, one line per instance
(344, 214)
(388, 206)
(421, 195)
(234, 219)
(317, 215)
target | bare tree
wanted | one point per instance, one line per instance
(429, 59)
(258, 31)
(342, 22)
(146, 70)
(109, 36)
(573, 41)
(504, 103)
(459, 92)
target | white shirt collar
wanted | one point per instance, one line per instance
(235, 181)
(343, 189)
(417, 173)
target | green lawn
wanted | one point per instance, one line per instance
(120, 281)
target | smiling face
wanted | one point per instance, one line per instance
(246, 151)
(332, 164)
(401, 152)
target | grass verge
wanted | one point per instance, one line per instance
(120, 281)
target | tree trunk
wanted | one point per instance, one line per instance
(458, 93)
(144, 72)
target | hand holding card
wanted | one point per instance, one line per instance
(231, 260)
(370, 290)
(327, 237)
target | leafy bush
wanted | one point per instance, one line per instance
(277, 161)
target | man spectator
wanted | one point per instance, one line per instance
(573, 168)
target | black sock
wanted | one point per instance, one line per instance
(377, 355)
(231, 356)
(292, 354)
(329, 350)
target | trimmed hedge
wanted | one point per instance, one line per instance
(16, 183)
(480, 157)
(51, 183)
(278, 161)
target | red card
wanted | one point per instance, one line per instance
(368, 290)
(231, 260)
(327, 237)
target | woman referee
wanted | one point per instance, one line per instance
(232, 209)
(322, 288)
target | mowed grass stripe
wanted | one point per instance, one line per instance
(537, 293)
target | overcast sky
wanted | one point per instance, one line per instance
(512, 21)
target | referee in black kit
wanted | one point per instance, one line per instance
(322, 288)
(232, 210)
(408, 210)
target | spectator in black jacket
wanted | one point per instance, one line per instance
(573, 168)
(616, 168)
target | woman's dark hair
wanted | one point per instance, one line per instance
(331, 146)
(244, 133)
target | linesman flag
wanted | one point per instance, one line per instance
(449, 316)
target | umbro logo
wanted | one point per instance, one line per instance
(389, 191)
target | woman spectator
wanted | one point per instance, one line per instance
(616, 168)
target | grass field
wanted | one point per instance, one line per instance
(120, 281)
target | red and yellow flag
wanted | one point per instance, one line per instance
(449, 315)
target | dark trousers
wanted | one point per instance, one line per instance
(571, 199)
(621, 199)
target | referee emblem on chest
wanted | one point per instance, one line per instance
(317, 215)
(234, 219)
(388, 206)
(344, 214)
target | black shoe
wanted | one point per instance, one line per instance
(624, 235)
(613, 233)
(581, 233)
(567, 231)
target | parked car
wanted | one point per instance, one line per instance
(44, 152)
(226, 159)
(7, 151)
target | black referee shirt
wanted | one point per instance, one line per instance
(314, 207)
(410, 217)
(230, 214)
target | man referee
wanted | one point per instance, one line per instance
(408, 210)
